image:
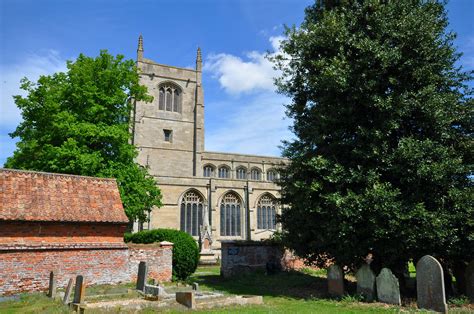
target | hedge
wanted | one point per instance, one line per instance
(185, 249)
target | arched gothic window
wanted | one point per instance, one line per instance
(255, 174)
(241, 173)
(231, 215)
(224, 172)
(170, 98)
(266, 212)
(271, 175)
(208, 171)
(191, 213)
(161, 101)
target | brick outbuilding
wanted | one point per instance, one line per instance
(71, 224)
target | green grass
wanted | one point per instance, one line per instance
(287, 292)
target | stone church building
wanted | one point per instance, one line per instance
(213, 196)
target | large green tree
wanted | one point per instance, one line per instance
(382, 159)
(77, 122)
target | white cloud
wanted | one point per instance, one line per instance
(32, 67)
(237, 76)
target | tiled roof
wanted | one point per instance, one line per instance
(40, 196)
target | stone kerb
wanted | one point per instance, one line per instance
(366, 282)
(388, 289)
(430, 285)
(335, 277)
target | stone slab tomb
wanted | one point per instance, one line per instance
(366, 282)
(430, 285)
(187, 299)
(388, 288)
(335, 281)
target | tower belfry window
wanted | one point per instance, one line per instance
(170, 98)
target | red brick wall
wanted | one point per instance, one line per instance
(158, 257)
(29, 251)
(28, 269)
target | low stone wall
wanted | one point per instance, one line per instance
(25, 268)
(246, 256)
(159, 259)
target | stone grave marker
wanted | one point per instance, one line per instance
(430, 285)
(470, 281)
(142, 274)
(388, 288)
(366, 282)
(186, 298)
(79, 290)
(52, 285)
(335, 281)
(195, 286)
(67, 293)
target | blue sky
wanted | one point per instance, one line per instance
(242, 110)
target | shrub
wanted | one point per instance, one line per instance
(185, 249)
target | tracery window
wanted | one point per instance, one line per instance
(266, 212)
(208, 171)
(191, 213)
(271, 175)
(170, 98)
(241, 173)
(224, 172)
(231, 215)
(255, 174)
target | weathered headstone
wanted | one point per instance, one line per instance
(470, 281)
(52, 285)
(186, 298)
(67, 293)
(388, 288)
(430, 285)
(195, 286)
(79, 290)
(366, 282)
(335, 281)
(142, 274)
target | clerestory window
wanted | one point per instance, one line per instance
(255, 174)
(224, 172)
(241, 173)
(208, 171)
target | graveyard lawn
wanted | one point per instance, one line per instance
(298, 292)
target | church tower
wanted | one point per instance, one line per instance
(169, 131)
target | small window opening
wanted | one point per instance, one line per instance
(168, 135)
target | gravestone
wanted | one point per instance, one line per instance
(79, 290)
(52, 285)
(186, 298)
(335, 281)
(142, 274)
(388, 289)
(195, 286)
(430, 285)
(366, 282)
(470, 281)
(67, 293)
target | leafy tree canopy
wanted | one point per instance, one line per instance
(78, 123)
(383, 118)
